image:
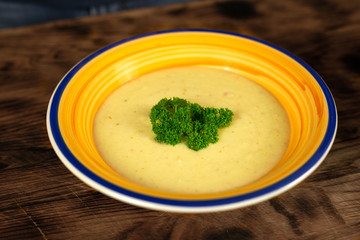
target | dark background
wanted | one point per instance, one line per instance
(41, 199)
(14, 13)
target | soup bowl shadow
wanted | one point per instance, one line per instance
(304, 95)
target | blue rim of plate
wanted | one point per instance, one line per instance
(53, 125)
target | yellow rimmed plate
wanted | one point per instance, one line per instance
(304, 95)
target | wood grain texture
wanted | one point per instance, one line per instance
(41, 199)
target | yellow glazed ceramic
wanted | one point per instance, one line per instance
(307, 100)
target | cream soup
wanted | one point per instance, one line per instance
(247, 149)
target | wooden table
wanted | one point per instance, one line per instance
(41, 199)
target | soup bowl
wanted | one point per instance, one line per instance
(301, 91)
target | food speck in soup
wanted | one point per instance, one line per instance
(253, 143)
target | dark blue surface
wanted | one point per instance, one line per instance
(331, 130)
(14, 13)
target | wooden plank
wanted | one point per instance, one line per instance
(41, 199)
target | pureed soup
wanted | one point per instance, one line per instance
(253, 143)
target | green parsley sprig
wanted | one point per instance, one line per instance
(175, 119)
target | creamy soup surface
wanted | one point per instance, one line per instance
(254, 142)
